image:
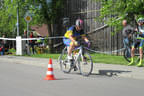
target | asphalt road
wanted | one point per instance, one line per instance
(28, 80)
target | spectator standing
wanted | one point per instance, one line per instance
(32, 42)
(126, 32)
(3, 45)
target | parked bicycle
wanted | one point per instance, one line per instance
(81, 59)
(127, 50)
(127, 46)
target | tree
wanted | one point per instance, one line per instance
(5, 19)
(117, 10)
(49, 14)
(42, 11)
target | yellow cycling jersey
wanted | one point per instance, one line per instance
(73, 32)
(68, 33)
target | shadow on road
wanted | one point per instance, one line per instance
(109, 73)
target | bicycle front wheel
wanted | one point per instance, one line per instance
(85, 64)
(63, 60)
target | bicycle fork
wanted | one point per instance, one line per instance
(77, 57)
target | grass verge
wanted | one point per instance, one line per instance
(97, 58)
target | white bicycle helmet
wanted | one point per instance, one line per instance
(79, 22)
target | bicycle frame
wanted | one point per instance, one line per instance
(127, 51)
(77, 57)
(80, 57)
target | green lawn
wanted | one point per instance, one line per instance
(109, 59)
(99, 58)
(53, 56)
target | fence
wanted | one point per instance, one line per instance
(88, 10)
(21, 46)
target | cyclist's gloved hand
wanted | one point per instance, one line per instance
(89, 44)
(76, 43)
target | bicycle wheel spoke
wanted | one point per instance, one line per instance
(128, 57)
(65, 67)
(85, 64)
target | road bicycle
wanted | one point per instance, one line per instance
(127, 50)
(81, 60)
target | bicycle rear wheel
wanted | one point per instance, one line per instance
(127, 55)
(63, 61)
(85, 64)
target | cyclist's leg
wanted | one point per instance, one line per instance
(132, 56)
(69, 47)
(132, 53)
(141, 53)
(72, 46)
(141, 56)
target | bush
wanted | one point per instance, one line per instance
(12, 51)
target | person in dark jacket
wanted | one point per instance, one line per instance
(32, 42)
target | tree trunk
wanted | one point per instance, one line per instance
(50, 41)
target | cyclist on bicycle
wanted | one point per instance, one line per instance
(72, 35)
(139, 42)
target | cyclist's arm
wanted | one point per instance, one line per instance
(69, 34)
(85, 38)
(72, 39)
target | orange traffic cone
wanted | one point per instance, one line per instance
(49, 74)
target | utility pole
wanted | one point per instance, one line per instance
(18, 19)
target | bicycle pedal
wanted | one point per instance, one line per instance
(71, 64)
(75, 68)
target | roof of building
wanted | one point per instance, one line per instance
(40, 30)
